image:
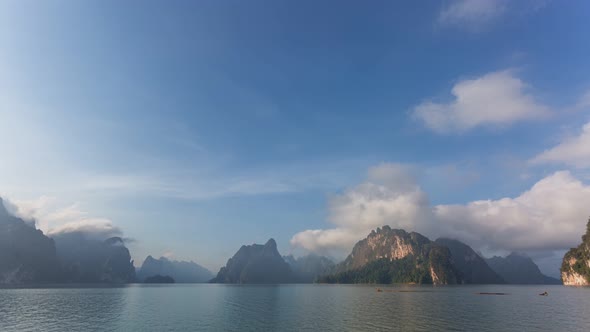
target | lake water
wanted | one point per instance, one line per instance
(294, 308)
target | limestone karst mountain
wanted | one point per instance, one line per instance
(256, 264)
(396, 256)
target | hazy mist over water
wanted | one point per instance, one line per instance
(203, 307)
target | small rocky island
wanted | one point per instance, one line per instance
(158, 279)
(575, 268)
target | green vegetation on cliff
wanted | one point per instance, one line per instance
(576, 262)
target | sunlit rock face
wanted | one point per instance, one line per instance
(385, 243)
(575, 269)
(26, 254)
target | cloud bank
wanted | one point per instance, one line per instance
(549, 216)
(495, 99)
(54, 219)
(573, 151)
(471, 13)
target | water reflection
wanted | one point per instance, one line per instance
(293, 308)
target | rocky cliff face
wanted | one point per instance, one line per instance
(26, 255)
(473, 268)
(256, 264)
(180, 271)
(575, 269)
(388, 244)
(395, 256)
(519, 269)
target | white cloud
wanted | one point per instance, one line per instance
(551, 215)
(471, 13)
(573, 151)
(168, 254)
(53, 219)
(97, 227)
(389, 196)
(495, 99)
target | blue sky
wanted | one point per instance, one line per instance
(196, 127)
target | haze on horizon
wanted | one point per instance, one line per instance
(191, 128)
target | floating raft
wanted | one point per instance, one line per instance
(379, 290)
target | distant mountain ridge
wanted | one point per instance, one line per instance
(473, 268)
(180, 271)
(519, 269)
(308, 268)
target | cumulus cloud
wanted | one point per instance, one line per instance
(495, 99)
(389, 196)
(551, 215)
(53, 219)
(573, 151)
(471, 13)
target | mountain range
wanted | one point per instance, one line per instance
(396, 256)
(385, 256)
(180, 271)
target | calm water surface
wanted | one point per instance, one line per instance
(295, 308)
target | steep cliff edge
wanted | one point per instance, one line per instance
(575, 268)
